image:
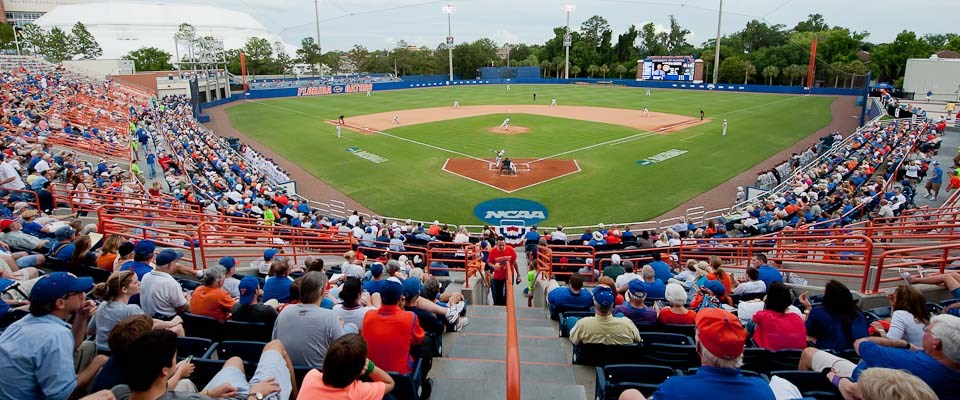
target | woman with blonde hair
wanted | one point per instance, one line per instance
(718, 274)
(116, 307)
(883, 384)
(663, 240)
(109, 252)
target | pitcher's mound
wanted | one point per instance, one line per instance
(529, 172)
(514, 130)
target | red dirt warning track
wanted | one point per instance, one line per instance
(528, 174)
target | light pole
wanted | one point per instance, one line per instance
(316, 10)
(449, 10)
(567, 41)
(716, 54)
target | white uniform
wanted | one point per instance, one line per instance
(648, 92)
(396, 120)
(338, 131)
(456, 104)
(646, 112)
(499, 157)
(368, 93)
(724, 128)
(553, 101)
(508, 87)
(505, 124)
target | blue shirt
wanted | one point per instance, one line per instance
(531, 237)
(36, 359)
(661, 271)
(829, 330)
(769, 274)
(938, 178)
(564, 297)
(941, 379)
(718, 383)
(645, 315)
(373, 286)
(656, 289)
(139, 268)
(65, 253)
(277, 288)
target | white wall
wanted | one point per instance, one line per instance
(941, 76)
(101, 68)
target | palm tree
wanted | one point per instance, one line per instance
(604, 69)
(575, 70)
(620, 70)
(748, 69)
(857, 68)
(592, 69)
(838, 68)
(770, 72)
(792, 72)
(545, 65)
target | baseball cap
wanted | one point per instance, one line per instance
(65, 232)
(720, 332)
(269, 253)
(168, 256)
(248, 289)
(603, 296)
(412, 287)
(228, 262)
(391, 291)
(144, 247)
(53, 286)
(5, 224)
(376, 270)
(716, 287)
(637, 288)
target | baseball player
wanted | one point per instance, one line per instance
(724, 127)
(534, 97)
(701, 115)
(648, 93)
(339, 127)
(368, 93)
(553, 101)
(646, 112)
(396, 120)
(341, 118)
(456, 104)
(508, 88)
(505, 124)
(499, 156)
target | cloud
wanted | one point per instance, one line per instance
(505, 36)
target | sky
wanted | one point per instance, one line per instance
(380, 24)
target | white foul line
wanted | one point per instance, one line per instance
(514, 190)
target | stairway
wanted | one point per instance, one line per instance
(473, 366)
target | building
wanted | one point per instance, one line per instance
(121, 27)
(938, 75)
(22, 12)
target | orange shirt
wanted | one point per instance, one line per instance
(954, 182)
(389, 332)
(105, 262)
(212, 302)
(314, 388)
(727, 283)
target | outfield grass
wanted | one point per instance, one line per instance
(611, 188)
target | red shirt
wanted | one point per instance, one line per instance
(775, 331)
(506, 259)
(388, 344)
(669, 317)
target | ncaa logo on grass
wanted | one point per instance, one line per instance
(493, 211)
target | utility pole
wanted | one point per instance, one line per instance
(449, 9)
(316, 10)
(567, 41)
(716, 54)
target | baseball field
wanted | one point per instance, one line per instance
(595, 157)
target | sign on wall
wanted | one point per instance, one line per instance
(493, 211)
(334, 89)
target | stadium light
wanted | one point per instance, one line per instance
(567, 40)
(449, 9)
(716, 54)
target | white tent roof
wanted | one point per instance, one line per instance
(121, 27)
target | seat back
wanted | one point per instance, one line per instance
(686, 330)
(679, 356)
(613, 380)
(881, 312)
(192, 346)
(202, 326)
(249, 331)
(784, 360)
(606, 354)
(247, 351)
(665, 338)
(811, 384)
(756, 359)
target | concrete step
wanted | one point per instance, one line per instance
(481, 389)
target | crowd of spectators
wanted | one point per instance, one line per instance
(306, 81)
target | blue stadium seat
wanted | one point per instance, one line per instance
(202, 326)
(192, 346)
(881, 312)
(665, 338)
(756, 359)
(566, 325)
(612, 380)
(410, 386)
(247, 351)
(784, 360)
(251, 331)
(811, 384)
(604, 354)
(686, 330)
(678, 356)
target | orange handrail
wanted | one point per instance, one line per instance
(513, 346)
(940, 255)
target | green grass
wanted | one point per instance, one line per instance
(611, 188)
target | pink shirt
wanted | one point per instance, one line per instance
(775, 331)
(314, 388)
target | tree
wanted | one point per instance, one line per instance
(592, 69)
(332, 60)
(34, 37)
(83, 43)
(283, 61)
(259, 56)
(310, 53)
(575, 70)
(953, 44)
(676, 37)
(604, 69)
(358, 57)
(793, 72)
(57, 47)
(748, 71)
(620, 69)
(149, 59)
(652, 41)
(593, 28)
(6, 36)
(545, 67)
(770, 72)
(814, 23)
(626, 49)
(757, 35)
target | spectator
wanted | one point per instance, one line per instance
(109, 252)
(603, 328)
(115, 294)
(351, 266)
(249, 308)
(124, 254)
(910, 316)
(39, 355)
(376, 282)
(277, 285)
(559, 235)
(119, 338)
(432, 326)
(720, 341)
(718, 274)
(500, 259)
(608, 282)
(655, 288)
(677, 313)
(82, 257)
(211, 299)
(837, 322)
(161, 296)
(230, 283)
(355, 304)
(143, 254)
(776, 327)
(345, 364)
(711, 295)
(263, 264)
(391, 331)
(151, 355)
(571, 297)
(752, 286)
(626, 277)
(14, 236)
(884, 384)
(306, 329)
(938, 364)
(767, 273)
(660, 268)
(614, 270)
(62, 251)
(635, 309)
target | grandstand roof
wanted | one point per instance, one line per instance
(121, 27)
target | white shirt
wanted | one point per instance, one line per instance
(353, 220)
(6, 172)
(750, 287)
(160, 294)
(42, 166)
(559, 235)
(904, 326)
(625, 278)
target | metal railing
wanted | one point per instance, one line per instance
(512, 342)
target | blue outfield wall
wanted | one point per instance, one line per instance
(322, 90)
